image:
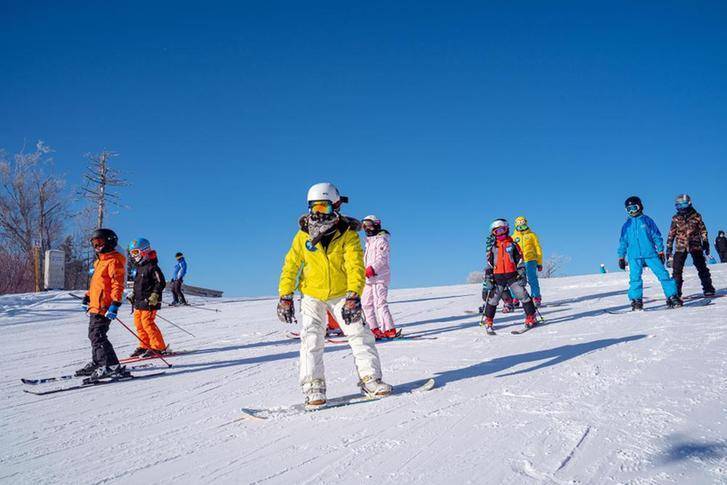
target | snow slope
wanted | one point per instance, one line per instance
(589, 398)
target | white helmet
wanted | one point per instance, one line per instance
(372, 218)
(499, 223)
(325, 191)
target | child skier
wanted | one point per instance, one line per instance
(378, 278)
(504, 269)
(180, 270)
(326, 262)
(147, 298)
(720, 244)
(642, 241)
(532, 254)
(688, 228)
(102, 302)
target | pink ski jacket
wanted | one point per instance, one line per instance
(377, 256)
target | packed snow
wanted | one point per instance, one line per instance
(591, 397)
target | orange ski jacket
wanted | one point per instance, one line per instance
(107, 282)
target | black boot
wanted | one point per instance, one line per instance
(138, 352)
(674, 301)
(110, 372)
(637, 304)
(87, 370)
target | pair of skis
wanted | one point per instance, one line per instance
(38, 389)
(334, 340)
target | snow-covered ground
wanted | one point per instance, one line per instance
(589, 398)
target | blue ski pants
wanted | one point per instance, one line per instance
(531, 268)
(636, 284)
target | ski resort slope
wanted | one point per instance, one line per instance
(591, 397)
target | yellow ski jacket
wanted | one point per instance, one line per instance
(529, 244)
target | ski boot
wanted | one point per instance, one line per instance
(373, 387)
(116, 371)
(488, 323)
(537, 301)
(507, 308)
(174, 303)
(674, 302)
(392, 333)
(530, 321)
(637, 305)
(709, 293)
(515, 303)
(87, 370)
(315, 393)
(138, 352)
(378, 334)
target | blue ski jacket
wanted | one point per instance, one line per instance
(180, 269)
(640, 238)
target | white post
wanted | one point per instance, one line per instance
(55, 269)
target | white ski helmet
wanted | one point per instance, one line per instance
(372, 218)
(325, 191)
(499, 223)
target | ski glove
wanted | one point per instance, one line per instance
(662, 258)
(113, 310)
(286, 309)
(622, 264)
(153, 299)
(352, 311)
(370, 273)
(84, 304)
(540, 267)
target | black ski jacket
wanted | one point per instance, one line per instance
(721, 244)
(149, 279)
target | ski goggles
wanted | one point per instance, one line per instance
(522, 227)
(632, 209)
(136, 252)
(681, 205)
(368, 224)
(320, 207)
(500, 231)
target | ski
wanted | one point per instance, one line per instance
(68, 377)
(296, 336)
(521, 331)
(129, 360)
(86, 383)
(296, 409)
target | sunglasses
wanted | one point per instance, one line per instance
(320, 207)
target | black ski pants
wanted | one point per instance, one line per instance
(102, 352)
(722, 256)
(700, 262)
(178, 296)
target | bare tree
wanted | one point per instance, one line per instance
(554, 265)
(99, 178)
(33, 206)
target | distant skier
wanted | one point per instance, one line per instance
(690, 233)
(326, 262)
(720, 244)
(149, 284)
(532, 255)
(102, 302)
(642, 241)
(603, 269)
(378, 278)
(504, 269)
(180, 270)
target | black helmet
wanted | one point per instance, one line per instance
(178, 255)
(109, 238)
(635, 204)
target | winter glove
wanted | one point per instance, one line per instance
(113, 310)
(286, 309)
(705, 247)
(84, 303)
(540, 268)
(370, 273)
(662, 258)
(622, 264)
(153, 299)
(352, 311)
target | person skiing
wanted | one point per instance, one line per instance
(532, 255)
(504, 270)
(325, 262)
(180, 270)
(720, 244)
(642, 242)
(690, 233)
(102, 302)
(378, 278)
(149, 284)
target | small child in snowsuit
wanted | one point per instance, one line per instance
(642, 241)
(378, 278)
(690, 233)
(532, 254)
(102, 302)
(149, 284)
(505, 269)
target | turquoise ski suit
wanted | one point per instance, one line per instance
(642, 241)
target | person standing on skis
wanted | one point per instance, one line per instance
(504, 270)
(378, 278)
(690, 233)
(532, 255)
(180, 270)
(325, 262)
(102, 302)
(720, 244)
(641, 240)
(149, 284)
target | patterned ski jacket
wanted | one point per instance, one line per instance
(689, 231)
(503, 257)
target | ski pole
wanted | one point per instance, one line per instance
(142, 342)
(172, 323)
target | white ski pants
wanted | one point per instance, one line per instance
(376, 306)
(313, 338)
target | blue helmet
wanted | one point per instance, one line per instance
(139, 249)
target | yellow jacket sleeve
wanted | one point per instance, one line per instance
(354, 262)
(291, 266)
(538, 249)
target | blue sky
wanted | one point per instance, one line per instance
(435, 116)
